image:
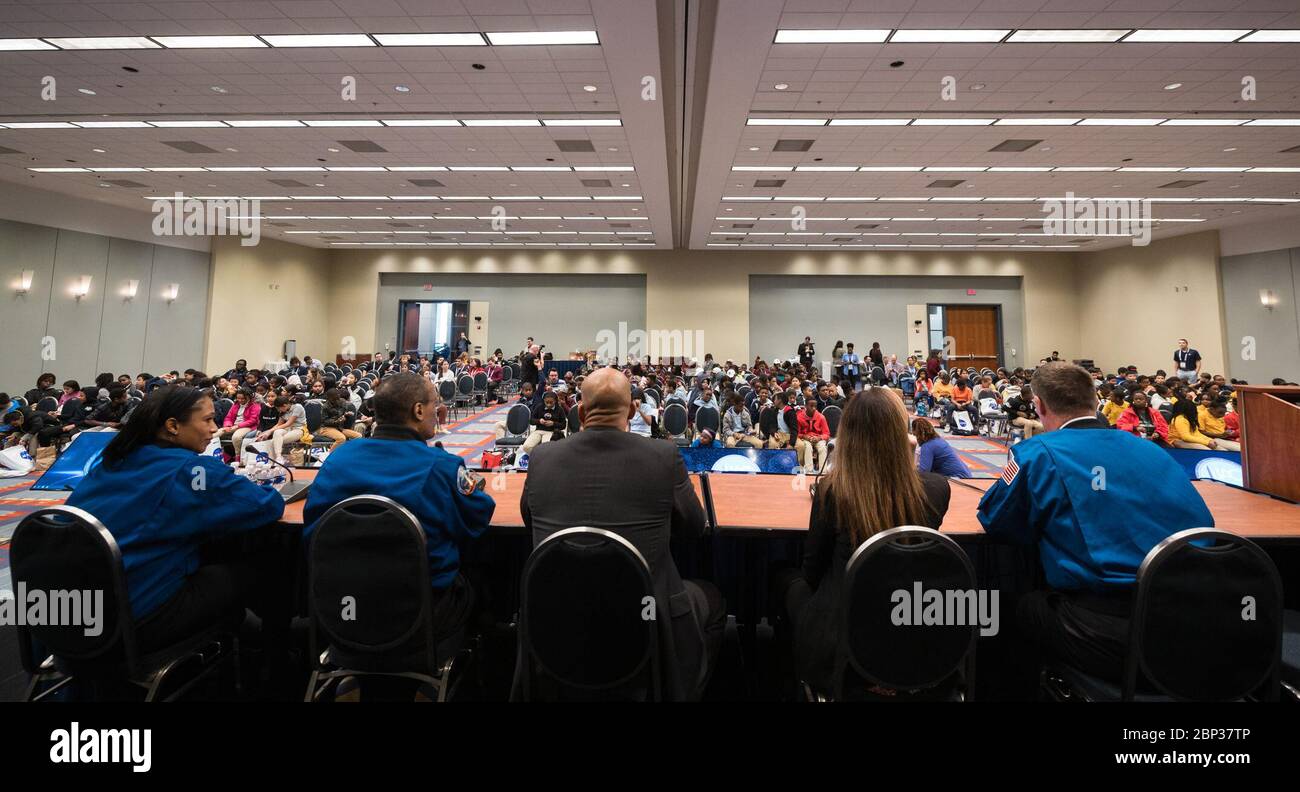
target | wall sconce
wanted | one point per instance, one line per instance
(24, 285)
(172, 291)
(82, 287)
(1267, 298)
(131, 287)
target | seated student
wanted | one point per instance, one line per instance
(337, 418)
(934, 454)
(1114, 406)
(241, 419)
(604, 478)
(110, 412)
(23, 426)
(1091, 540)
(705, 439)
(1213, 425)
(642, 420)
(780, 426)
(44, 389)
(548, 422)
(1143, 420)
(1023, 415)
(1232, 421)
(963, 398)
(816, 435)
(397, 462)
(145, 495)
(288, 428)
(941, 392)
(738, 425)
(1185, 429)
(872, 487)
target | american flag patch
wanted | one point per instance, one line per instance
(1009, 472)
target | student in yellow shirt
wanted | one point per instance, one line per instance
(1185, 431)
(1114, 406)
(942, 388)
(1210, 418)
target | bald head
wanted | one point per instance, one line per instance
(606, 400)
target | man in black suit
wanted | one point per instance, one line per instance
(606, 477)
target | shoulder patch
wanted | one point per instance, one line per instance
(1009, 472)
(467, 481)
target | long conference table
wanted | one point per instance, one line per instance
(776, 505)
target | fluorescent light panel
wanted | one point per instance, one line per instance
(543, 38)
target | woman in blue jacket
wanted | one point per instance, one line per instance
(934, 454)
(161, 499)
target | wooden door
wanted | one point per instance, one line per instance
(976, 340)
(410, 327)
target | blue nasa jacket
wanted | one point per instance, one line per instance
(431, 482)
(1094, 500)
(161, 504)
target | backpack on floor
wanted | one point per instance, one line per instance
(960, 424)
(922, 409)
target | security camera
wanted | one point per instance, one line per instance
(916, 322)
(478, 318)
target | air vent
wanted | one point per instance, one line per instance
(331, 237)
(742, 225)
(945, 183)
(843, 239)
(4, 150)
(400, 225)
(1084, 241)
(595, 183)
(427, 183)
(620, 225)
(993, 239)
(124, 183)
(286, 183)
(364, 146)
(280, 225)
(792, 145)
(735, 239)
(1181, 183)
(865, 226)
(1031, 227)
(574, 145)
(1015, 145)
(189, 146)
(769, 183)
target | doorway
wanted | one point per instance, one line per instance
(973, 334)
(430, 327)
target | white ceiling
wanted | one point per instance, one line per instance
(714, 64)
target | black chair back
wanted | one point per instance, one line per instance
(369, 596)
(574, 423)
(47, 404)
(905, 656)
(480, 381)
(707, 418)
(465, 385)
(833, 415)
(66, 549)
(447, 390)
(507, 374)
(517, 419)
(584, 631)
(653, 393)
(675, 420)
(314, 410)
(220, 409)
(1207, 619)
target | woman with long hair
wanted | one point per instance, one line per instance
(873, 486)
(1184, 428)
(161, 498)
(934, 454)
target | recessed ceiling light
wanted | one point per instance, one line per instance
(978, 87)
(831, 36)
(1231, 148)
(781, 86)
(232, 150)
(431, 39)
(589, 88)
(1173, 86)
(104, 43)
(218, 89)
(543, 37)
(86, 91)
(870, 121)
(502, 122)
(99, 151)
(753, 148)
(785, 122)
(265, 122)
(612, 148)
(402, 88)
(1191, 36)
(1066, 36)
(209, 42)
(321, 40)
(961, 36)
(22, 44)
(332, 150)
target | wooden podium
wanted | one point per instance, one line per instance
(1270, 426)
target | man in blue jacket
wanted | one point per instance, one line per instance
(397, 462)
(1094, 501)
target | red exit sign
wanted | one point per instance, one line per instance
(970, 292)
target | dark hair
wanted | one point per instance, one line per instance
(247, 393)
(171, 401)
(114, 392)
(1187, 409)
(923, 430)
(50, 378)
(4, 398)
(103, 380)
(76, 386)
(397, 395)
(1065, 388)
